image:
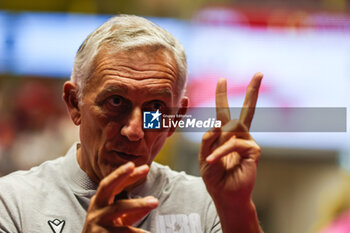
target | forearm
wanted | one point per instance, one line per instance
(238, 219)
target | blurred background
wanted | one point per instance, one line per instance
(302, 47)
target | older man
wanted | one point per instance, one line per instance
(108, 182)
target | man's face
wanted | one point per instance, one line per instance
(123, 85)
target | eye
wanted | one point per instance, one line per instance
(115, 101)
(116, 104)
(155, 105)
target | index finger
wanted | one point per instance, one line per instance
(222, 108)
(116, 182)
(250, 100)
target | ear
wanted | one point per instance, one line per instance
(182, 111)
(70, 91)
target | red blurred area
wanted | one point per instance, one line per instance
(34, 125)
(266, 17)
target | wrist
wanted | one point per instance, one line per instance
(226, 202)
(238, 217)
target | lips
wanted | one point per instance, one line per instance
(126, 156)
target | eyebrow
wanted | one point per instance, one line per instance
(123, 90)
(159, 92)
(111, 90)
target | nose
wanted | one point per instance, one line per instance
(133, 128)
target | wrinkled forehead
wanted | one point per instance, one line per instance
(142, 58)
(153, 51)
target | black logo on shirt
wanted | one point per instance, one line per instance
(56, 225)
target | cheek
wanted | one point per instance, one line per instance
(158, 142)
(111, 132)
(112, 129)
(92, 124)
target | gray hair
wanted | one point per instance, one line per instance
(122, 33)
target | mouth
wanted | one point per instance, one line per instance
(126, 156)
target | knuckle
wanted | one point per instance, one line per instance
(93, 200)
(232, 139)
(206, 136)
(93, 204)
(91, 218)
(241, 127)
(252, 89)
(103, 183)
(257, 149)
(95, 228)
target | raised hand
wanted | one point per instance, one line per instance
(104, 215)
(229, 156)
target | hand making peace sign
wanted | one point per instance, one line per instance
(229, 155)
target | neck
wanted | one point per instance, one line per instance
(86, 166)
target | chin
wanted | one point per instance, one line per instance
(107, 169)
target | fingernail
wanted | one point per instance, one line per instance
(152, 201)
(143, 168)
(145, 231)
(128, 166)
(210, 158)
